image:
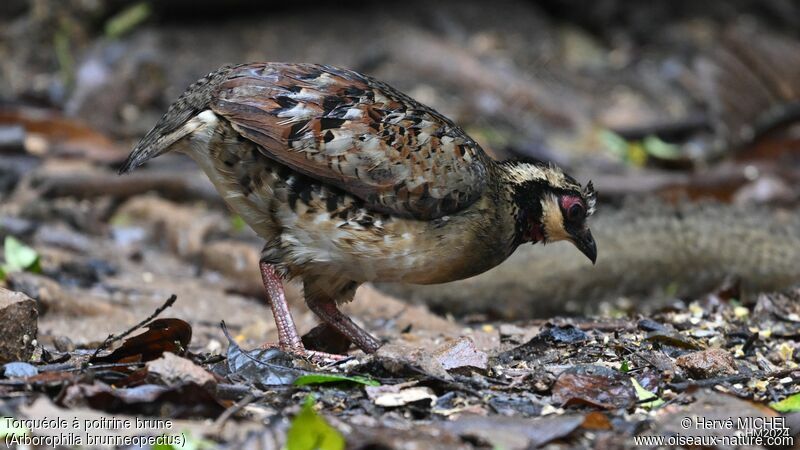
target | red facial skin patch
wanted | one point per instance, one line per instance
(568, 200)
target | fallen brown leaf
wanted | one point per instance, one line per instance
(595, 386)
(49, 132)
(461, 353)
(710, 363)
(595, 420)
(162, 335)
(173, 369)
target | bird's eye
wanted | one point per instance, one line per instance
(575, 212)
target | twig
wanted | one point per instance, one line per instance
(227, 391)
(605, 326)
(730, 379)
(57, 367)
(675, 399)
(107, 366)
(114, 338)
(636, 353)
(338, 362)
(668, 130)
(452, 384)
(718, 181)
(230, 412)
(748, 344)
(171, 184)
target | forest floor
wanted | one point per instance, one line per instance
(105, 264)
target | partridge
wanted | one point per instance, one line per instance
(350, 181)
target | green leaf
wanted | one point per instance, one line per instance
(788, 405)
(159, 445)
(614, 143)
(62, 47)
(19, 256)
(660, 149)
(632, 152)
(120, 220)
(126, 20)
(190, 442)
(647, 399)
(309, 431)
(625, 367)
(672, 289)
(7, 428)
(322, 378)
(237, 223)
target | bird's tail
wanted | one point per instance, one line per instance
(172, 126)
(157, 141)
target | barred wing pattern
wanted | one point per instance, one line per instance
(355, 133)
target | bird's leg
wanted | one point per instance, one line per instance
(326, 309)
(276, 297)
(288, 339)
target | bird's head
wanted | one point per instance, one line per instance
(551, 206)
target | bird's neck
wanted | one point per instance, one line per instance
(523, 192)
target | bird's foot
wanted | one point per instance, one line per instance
(301, 352)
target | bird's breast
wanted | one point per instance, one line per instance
(371, 246)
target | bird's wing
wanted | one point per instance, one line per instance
(355, 133)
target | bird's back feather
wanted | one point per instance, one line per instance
(355, 133)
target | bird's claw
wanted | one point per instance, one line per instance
(314, 356)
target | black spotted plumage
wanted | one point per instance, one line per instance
(349, 180)
(356, 133)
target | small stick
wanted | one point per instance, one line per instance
(219, 424)
(682, 386)
(108, 366)
(114, 338)
(454, 384)
(232, 391)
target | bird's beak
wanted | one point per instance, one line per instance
(585, 242)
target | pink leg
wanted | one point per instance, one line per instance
(288, 339)
(326, 310)
(287, 332)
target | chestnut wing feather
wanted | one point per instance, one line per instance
(355, 133)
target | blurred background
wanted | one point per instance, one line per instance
(681, 112)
